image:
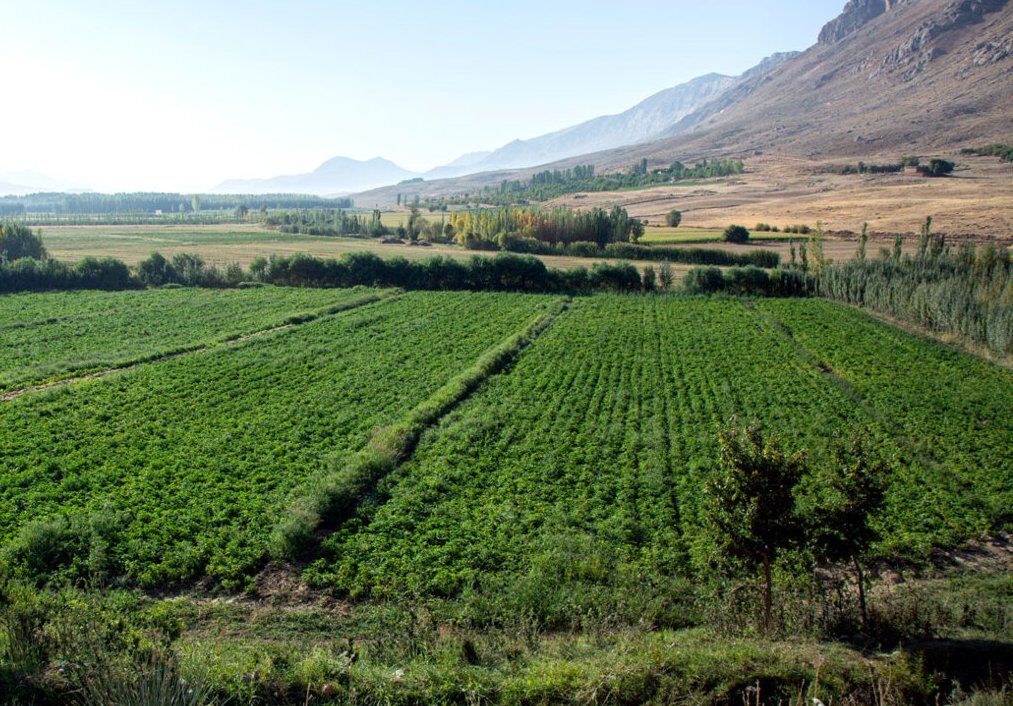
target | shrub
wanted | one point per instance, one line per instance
(17, 241)
(736, 234)
(940, 167)
(673, 218)
(582, 248)
(703, 280)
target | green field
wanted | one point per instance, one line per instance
(181, 460)
(52, 335)
(665, 234)
(584, 464)
(541, 543)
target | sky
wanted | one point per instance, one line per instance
(133, 95)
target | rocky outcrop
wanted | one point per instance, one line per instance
(856, 14)
(920, 48)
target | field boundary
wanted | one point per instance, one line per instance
(335, 495)
(203, 347)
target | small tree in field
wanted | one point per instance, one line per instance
(736, 234)
(751, 502)
(666, 278)
(649, 280)
(856, 486)
(673, 218)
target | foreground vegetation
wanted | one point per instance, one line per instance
(103, 648)
(546, 541)
(391, 496)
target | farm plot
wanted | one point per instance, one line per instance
(596, 441)
(581, 470)
(54, 335)
(178, 468)
(951, 413)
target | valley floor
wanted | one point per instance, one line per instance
(540, 543)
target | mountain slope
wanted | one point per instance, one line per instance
(335, 176)
(884, 78)
(641, 122)
(887, 78)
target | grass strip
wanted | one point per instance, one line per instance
(335, 495)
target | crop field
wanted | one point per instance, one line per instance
(546, 511)
(53, 335)
(581, 469)
(665, 234)
(176, 464)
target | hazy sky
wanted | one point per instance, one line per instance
(118, 95)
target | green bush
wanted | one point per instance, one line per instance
(736, 234)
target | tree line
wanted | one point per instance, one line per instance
(551, 184)
(327, 221)
(484, 227)
(966, 292)
(144, 202)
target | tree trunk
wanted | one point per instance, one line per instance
(861, 588)
(767, 591)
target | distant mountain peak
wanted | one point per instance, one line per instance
(335, 176)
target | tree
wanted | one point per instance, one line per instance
(194, 203)
(650, 280)
(155, 270)
(940, 167)
(863, 242)
(751, 502)
(815, 250)
(736, 234)
(241, 211)
(636, 229)
(666, 278)
(17, 241)
(673, 218)
(856, 486)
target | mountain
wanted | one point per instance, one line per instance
(335, 176)
(461, 165)
(27, 182)
(641, 122)
(886, 78)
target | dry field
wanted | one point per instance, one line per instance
(222, 244)
(976, 202)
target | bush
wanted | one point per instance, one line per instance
(703, 280)
(940, 167)
(673, 218)
(736, 234)
(582, 248)
(17, 241)
(749, 280)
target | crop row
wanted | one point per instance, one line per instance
(597, 439)
(585, 463)
(180, 467)
(951, 414)
(53, 335)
